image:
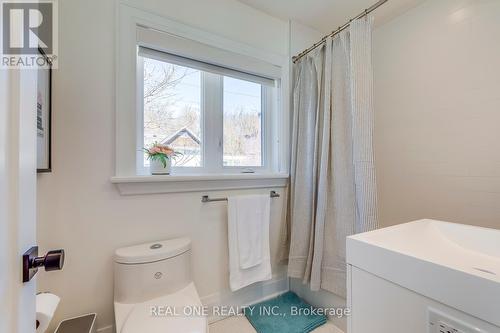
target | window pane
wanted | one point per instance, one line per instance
(242, 123)
(172, 112)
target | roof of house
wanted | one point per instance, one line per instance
(180, 133)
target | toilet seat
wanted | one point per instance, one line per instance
(157, 315)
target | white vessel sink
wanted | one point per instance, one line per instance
(457, 265)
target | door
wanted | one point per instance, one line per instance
(17, 197)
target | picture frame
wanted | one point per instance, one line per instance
(44, 117)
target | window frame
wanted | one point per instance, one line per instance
(212, 124)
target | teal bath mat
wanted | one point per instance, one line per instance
(284, 314)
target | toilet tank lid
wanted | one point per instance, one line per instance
(150, 252)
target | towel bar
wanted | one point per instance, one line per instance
(205, 198)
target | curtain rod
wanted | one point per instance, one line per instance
(339, 29)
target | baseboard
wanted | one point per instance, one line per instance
(255, 293)
(106, 329)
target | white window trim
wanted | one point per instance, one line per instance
(129, 19)
(197, 183)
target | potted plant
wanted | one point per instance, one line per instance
(160, 157)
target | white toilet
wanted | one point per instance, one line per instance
(150, 281)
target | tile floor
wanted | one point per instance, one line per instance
(241, 325)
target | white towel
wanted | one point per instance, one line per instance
(248, 238)
(250, 215)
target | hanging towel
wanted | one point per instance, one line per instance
(250, 215)
(248, 238)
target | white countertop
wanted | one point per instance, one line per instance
(456, 264)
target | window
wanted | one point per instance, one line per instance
(216, 117)
(172, 110)
(219, 101)
(242, 123)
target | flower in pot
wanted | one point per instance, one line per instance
(160, 157)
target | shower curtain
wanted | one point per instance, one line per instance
(332, 189)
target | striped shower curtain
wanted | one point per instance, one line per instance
(333, 188)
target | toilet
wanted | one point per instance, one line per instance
(154, 291)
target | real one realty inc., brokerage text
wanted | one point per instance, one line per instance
(227, 310)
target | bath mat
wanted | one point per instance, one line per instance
(284, 314)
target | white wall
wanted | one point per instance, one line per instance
(301, 37)
(437, 71)
(79, 209)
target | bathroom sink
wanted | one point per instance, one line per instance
(455, 264)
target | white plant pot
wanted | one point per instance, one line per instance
(157, 168)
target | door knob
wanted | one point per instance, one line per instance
(52, 261)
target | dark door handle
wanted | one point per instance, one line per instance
(52, 261)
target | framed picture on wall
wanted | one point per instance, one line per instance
(43, 117)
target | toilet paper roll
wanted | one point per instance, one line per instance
(46, 305)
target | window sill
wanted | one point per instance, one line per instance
(132, 185)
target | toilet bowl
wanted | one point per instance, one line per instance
(154, 291)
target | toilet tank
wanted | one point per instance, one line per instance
(147, 271)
